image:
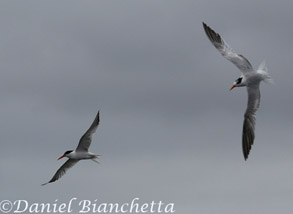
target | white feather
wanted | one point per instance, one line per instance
(263, 70)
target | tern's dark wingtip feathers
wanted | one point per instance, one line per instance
(214, 37)
(205, 26)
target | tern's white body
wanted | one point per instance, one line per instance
(80, 153)
(250, 78)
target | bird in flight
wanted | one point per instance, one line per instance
(80, 153)
(250, 78)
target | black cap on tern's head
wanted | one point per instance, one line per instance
(239, 80)
(238, 83)
(65, 154)
(68, 152)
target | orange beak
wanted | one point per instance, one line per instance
(61, 157)
(232, 87)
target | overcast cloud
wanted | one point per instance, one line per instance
(170, 129)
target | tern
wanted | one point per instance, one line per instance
(80, 153)
(250, 78)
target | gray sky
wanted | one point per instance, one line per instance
(170, 129)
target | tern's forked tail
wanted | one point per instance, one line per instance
(96, 158)
(263, 70)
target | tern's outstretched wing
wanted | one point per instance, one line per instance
(86, 139)
(249, 119)
(62, 170)
(240, 61)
